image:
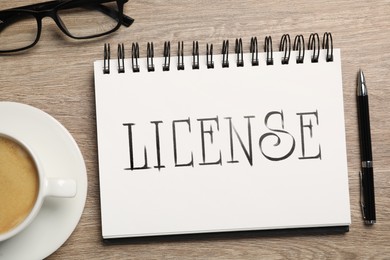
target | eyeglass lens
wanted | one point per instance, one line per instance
(19, 29)
(88, 20)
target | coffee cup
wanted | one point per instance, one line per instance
(24, 185)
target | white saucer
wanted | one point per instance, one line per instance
(62, 158)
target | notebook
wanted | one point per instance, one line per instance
(235, 139)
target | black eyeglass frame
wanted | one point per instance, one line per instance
(51, 8)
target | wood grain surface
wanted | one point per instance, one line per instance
(57, 77)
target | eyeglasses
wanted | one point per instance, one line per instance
(20, 28)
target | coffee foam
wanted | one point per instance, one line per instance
(19, 184)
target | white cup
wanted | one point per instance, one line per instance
(47, 187)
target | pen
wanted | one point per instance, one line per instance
(367, 171)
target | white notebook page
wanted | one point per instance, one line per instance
(223, 149)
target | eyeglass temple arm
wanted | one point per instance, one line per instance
(127, 20)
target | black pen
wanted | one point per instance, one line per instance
(367, 171)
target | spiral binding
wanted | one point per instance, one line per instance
(195, 55)
(327, 43)
(225, 54)
(167, 56)
(135, 57)
(106, 62)
(285, 47)
(209, 53)
(299, 45)
(240, 53)
(180, 56)
(314, 44)
(121, 58)
(254, 51)
(268, 50)
(149, 57)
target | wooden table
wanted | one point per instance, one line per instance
(57, 77)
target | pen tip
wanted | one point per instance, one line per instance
(361, 76)
(362, 90)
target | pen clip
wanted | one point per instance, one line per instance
(361, 195)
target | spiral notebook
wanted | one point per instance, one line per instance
(237, 139)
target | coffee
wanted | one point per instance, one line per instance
(19, 184)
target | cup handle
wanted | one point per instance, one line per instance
(61, 188)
